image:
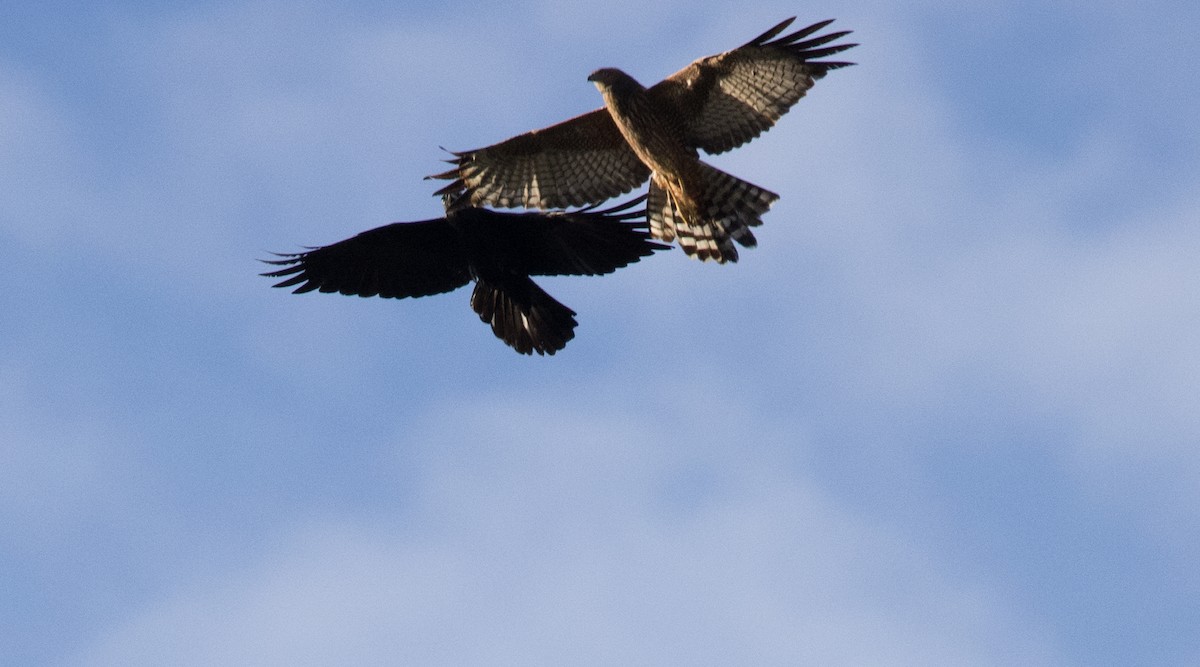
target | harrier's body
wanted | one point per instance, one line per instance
(705, 208)
(714, 104)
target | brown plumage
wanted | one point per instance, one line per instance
(715, 104)
(499, 251)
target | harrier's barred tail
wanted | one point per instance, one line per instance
(700, 239)
(729, 208)
(736, 204)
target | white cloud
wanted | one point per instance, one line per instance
(544, 547)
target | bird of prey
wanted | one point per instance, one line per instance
(714, 104)
(499, 251)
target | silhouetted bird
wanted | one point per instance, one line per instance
(499, 251)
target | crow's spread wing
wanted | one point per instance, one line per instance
(404, 259)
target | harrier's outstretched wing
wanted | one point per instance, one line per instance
(577, 162)
(728, 99)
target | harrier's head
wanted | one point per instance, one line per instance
(611, 77)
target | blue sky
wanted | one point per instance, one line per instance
(945, 413)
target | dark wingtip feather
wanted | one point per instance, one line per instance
(454, 188)
(290, 257)
(829, 51)
(818, 41)
(279, 273)
(294, 272)
(821, 68)
(276, 262)
(445, 175)
(803, 32)
(457, 161)
(768, 35)
(289, 260)
(807, 49)
(308, 285)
